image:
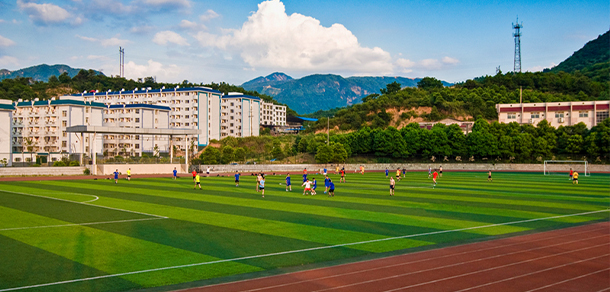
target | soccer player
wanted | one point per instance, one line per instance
(362, 169)
(434, 175)
(175, 172)
(304, 177)
(307, 185)
(440, 171)
(337, 170)
(326, 184)
(129, 174)
(197, 181)
(208, 172)
(305, 171)
(571, 173)
(342, 175)
(404, 172)
(288, 184)
(331, 191)
(262, 185)
(398, 174)
(429, 171)
(325, 171)
(489, 176)
(315, 186)
(194, 174)
(386, 172)
(392, 184)
(237, 178)
(575, 177)
(116, 176)
(258, 182)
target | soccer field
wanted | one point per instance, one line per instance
(94, 235)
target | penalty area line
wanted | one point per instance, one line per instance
(86, 204)
(300, 250)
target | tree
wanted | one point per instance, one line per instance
(277, 153)
(324, 154)
(428, 83)
(240, 154)
(391, 88)
(574, 145)
(389, 143)
(590, 145)
(227, 154)
(339, 154)
(211, 155)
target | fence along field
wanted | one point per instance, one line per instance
(91, 235)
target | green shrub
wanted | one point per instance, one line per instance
(74, 163)
(87, 171)
(59, 163)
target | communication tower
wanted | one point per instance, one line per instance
(121, 62)
(517, 27)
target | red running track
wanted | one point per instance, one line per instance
(571, 259)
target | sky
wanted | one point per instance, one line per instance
(235, 41)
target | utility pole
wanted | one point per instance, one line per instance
(328, 131)
(517, 27)
(121, 62)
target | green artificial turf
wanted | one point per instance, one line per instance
(94, 235)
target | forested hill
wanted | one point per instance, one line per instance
(592, 60)
(42, 72)
(322, 91)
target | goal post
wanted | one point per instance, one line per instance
(563, 167)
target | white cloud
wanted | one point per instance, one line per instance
(168, 3)
(46, 13)
(208, 15)
(6, 61)
(191, 25)
(5, 42)
(406, 66)
(152, 68)
(272, 39)
(540, 67)
(2, 21)
(449, 60)
(105, 42)
(143, 29)
(168, 36)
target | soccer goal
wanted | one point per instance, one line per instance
(562, 167)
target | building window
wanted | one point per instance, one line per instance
(137, 120)
(559, 115)
(601, 116)
(583, 114)
(511, 116)
(64, 113)
(64, 123)
(137, 146)
(137, 111)
(535, 116)
(64, 144)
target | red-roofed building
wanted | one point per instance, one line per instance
(566, 113)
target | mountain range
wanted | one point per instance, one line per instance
(322, 92)
(41, 72)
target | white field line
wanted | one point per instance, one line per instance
(299, 251)
(81, 224)
(499, 267)
(457, 264)
(425, 260)
(85, 203)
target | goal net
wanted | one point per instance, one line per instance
(562, 167)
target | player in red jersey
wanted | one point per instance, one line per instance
(434, 175)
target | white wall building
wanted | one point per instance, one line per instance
(136, 116)
(6, 117)
(272, 114)
(38, 127)
(240, 115)
(566, 113)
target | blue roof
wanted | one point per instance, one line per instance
(140, 105)
(61, 102)
(6, 106)
(308, 119)
(241, 96)
(149, 91)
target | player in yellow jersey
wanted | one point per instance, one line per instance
(197, 181)
(575, 178)
(398, 174)
(129, 174)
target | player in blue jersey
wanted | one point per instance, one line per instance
(175, 172)
(237, 178)
(304, 177)
(331, 190)
(116, 176)
(326, 184)
(261, 184)
(315, 186)
(386, 172)
(288, 184)
(325, 171)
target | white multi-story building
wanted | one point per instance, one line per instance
(6, 116)
(38, 127)
(191, 108)
(136, 116)
(566, 113)
(240, 115)
(272, 114)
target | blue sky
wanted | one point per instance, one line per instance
(237, 40)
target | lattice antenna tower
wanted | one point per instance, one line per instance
(121, 62)
(517, 34)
